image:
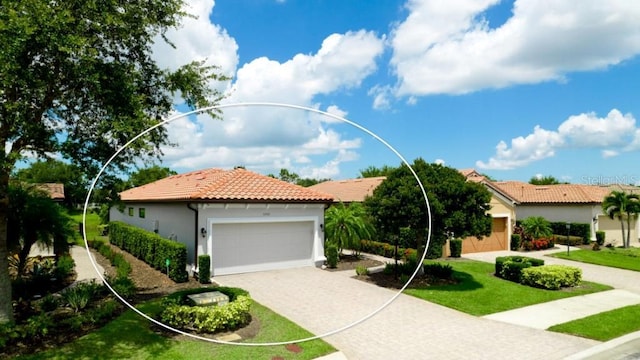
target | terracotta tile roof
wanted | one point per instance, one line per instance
(223, 185)
(55, 190)
(350, 190)
(552, 194)
(472, 175)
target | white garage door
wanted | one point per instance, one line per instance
(251, 247)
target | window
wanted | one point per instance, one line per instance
(141, 212)
(130, 211)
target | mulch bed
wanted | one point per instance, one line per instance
(392, 282)
(350, 262)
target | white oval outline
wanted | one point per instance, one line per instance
(266, 104)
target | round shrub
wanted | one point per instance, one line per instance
(552, 277)
(209, 319)
(332, 256)
(510, 267)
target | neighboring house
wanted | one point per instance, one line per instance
(55, 190)
(243, 220)
(566, 203)
(502, 212)
(350, 190)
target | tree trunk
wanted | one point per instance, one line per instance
(627, 244)
(624, 240)
(6, 307)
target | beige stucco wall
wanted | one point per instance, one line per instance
(613, 232)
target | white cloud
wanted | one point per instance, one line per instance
(448, 47)
(270, 137)
(439, 161)
(198, 39)
(578, 131)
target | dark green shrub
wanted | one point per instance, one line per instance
(124, 286)
(438, 270)
(332, 256)
(48, 303)
(581, 230)
(64, 267)
(600, 236)
(515, 242)
(552, 277)
(455, 246)
(204, 269)
(78, 296)
(510, 267)
(37, 326)
(151, 248)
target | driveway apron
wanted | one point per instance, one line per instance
(409, 328)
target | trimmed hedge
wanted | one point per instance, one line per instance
(151, 248)
(600, 236)
(552, 277)
(455, 246)
(332, 256)
(204, 269)
(510, 267)
(580, 230)
(573, 240)
(515, 242)
(209, 319)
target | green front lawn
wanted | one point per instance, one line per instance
(604, 326)
(628, 259)
(479, 292)
(130, 337)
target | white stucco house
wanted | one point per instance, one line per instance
(579, 203)
(245, 221)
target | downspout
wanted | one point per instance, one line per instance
(195, 234)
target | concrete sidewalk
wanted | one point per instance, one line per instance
(84, 268)
(544, 315)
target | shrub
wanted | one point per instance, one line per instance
(362, 270)
(455, 245)
(151, 248)
(209, 319)
(510, 267)
(600, 235)
(332, 256)
(48, 303)
(573, 240)
(64, 267)
(438, 270)
(543, 243)
(124, 286)
(515, 242)
(78, 296)
(37, 326)
(204, 269)
(580, 230)
(552, 277)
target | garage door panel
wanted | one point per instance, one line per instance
(258, 246)
(496, 241)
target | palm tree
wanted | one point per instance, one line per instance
(536, 227)
(622, 206)
(345, 226)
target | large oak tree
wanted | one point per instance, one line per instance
(78, 78)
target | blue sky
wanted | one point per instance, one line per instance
(510, 88)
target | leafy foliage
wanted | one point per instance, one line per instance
(78, 79)
(510, 267)
(456, 205)
(544, 180)
(151, 248)
(552, 277)
(34, 218)
(149, 175)
(204, 269)
(332, 256)
(373, 171)
(536, 227)
(345, 226)
(455, 246)
(624, 207)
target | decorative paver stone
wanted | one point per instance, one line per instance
(209, 298)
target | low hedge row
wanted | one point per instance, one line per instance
(386, 250)
(151, 248)
(552, 277)
(510, 267)
(209, 319)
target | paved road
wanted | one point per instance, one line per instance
(409, 328)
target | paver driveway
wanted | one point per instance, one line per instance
(409, 328)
